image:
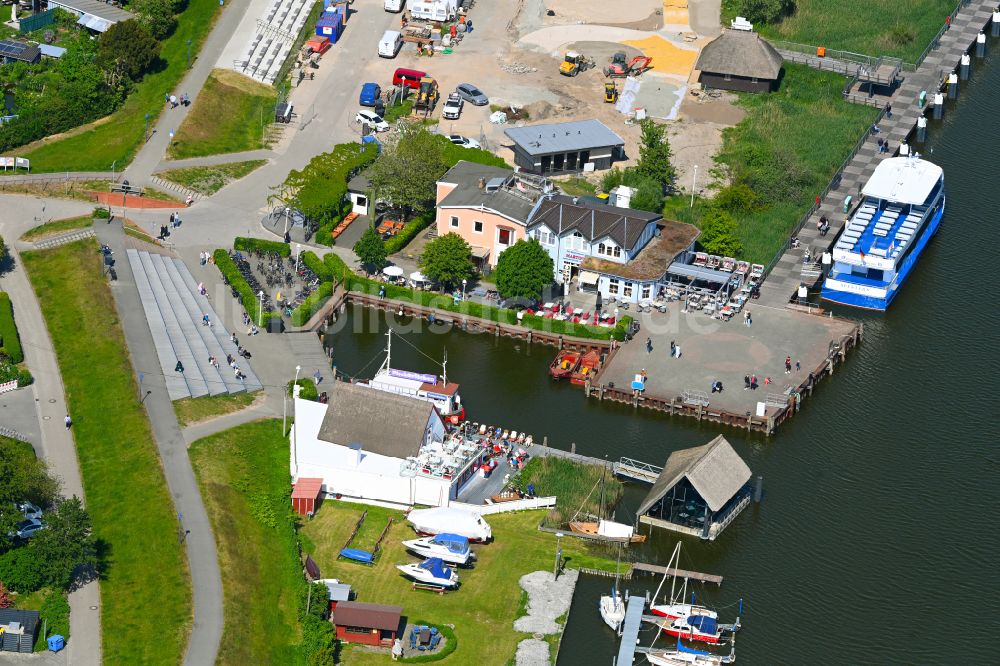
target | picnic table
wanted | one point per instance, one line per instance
(342, 227)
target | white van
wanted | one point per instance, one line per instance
(389, 45)
(394, 5)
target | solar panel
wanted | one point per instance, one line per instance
(15, 50)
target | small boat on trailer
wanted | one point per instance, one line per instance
(607, 530)
(430, 572)
(452, 548)
(565, 364)
(589, 363)
(685, 656)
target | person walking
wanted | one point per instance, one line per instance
(649, 345)
(746, 382)
(753, 382)
(677, 351)
(179, 367)
(888, 110)
(673, 348)
(171, 220)
(318, 377)
(788, 365)
(798, 366)
(69, 422)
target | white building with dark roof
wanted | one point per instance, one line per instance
(554, 148)
(373, 445)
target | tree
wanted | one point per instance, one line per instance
(370, 249)
(20, 570)
(157, 15)
(127, 48)
(647, 193)
(22, 478)
(447, 260)
(407, 172)
(524, 270)
(765, 11)
(65, 544)
(718, 234)
(736, 198)
(654, 153)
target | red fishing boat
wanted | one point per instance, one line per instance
(565, 364)
(589, 363)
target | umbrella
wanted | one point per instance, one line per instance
(417, 276)
(392, 271)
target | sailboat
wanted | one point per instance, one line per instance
(685, 656)
(613, 606)
(675, 607)
(605, 530)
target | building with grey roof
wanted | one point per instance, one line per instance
(93, 14)
(14, 51)
(739, 60)
(555, 148)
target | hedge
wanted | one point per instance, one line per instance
(245, 244)
(311, 305)
(316, 265)
(409, 232)
(248, 298)
(10, 342)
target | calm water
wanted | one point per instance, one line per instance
(877, 540)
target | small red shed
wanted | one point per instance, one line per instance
(368, 624)
(305, 494)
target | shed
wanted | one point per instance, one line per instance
(368, 624)
(50, 51)
(93, 14)
(19, 629)
(305, 495)
(700, 490)
(568, 147)
(15, 51)
(739, 60)
(338, 591)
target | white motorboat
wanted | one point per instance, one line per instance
(452, 548)
(430, 572)
(448, 520)
(685, 656)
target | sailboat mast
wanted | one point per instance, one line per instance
(600, 507)
(444, 367)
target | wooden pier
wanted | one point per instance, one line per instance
(677, 573)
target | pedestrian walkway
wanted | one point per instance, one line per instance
(787, 274)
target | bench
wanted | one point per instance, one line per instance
(126, 189)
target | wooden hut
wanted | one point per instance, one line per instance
(305, 495)
(700, 490)
(368, 624)
(739, 60)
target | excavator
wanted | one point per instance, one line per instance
(427, 96)
(618, 68)
(610, 92)
(573, 63)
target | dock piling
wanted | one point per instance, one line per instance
(758, 489)
(922, 129)
(953, 86)
(967, 63)
(981, 44)
(938, 105)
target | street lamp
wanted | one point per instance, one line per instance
(260, 310)
(694, 181)
(189, 54)
(464, 282)
(555, 569)
(145, 133)
(295, 435)
(284, 403)
(298, 253)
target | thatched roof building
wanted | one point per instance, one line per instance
(739, 60)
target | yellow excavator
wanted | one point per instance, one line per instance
(610, 92)
(573, 63)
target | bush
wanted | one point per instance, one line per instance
(102, 213)
(718, 234)
(258, 245)
(409, 232)
(311, 305)
(231, 274)
(55, 612)
(10, 342)
(20, 570)
(316, 265)
(308, 391)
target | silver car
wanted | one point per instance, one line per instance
(472, 94)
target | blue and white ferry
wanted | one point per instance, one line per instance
(901, 209)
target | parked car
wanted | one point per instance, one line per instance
(471, 93)
(390, 44)
(465, 142)
(373, 119)
(520, 303)
(453, 107)
(26, 529)
(29, 510)
(370, 94)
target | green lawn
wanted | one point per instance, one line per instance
(486, 604)
(118, 137)
(244, 481)
(230, 115)
(57, 227)
(872, 27)
(787, 148)
(577, 487)
(145, 589)
(211, 179)
(193, 410)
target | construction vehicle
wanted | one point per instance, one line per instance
(610, 92)
(618, 68)
(573, 63)
(427, 96)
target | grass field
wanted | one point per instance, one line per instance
(787, 148)
(243, 476)
(230, 115)
(211, 179)
(872, 27)
(118, 137)
(193, 410)
(489, 599)
(576, 486)
(145, 589)
(57, 227)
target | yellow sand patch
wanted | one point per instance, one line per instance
(667, 58)
(675, 11)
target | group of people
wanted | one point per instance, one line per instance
(823, 225)
(251, 327)
(174, 100)
(205, 258)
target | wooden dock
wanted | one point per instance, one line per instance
(677, 573)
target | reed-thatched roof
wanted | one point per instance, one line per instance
(740, 53)
(715, 470)
(383, 423)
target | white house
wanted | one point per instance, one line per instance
(372, 445)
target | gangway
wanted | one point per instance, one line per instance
(636, 469)
(630, 630)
